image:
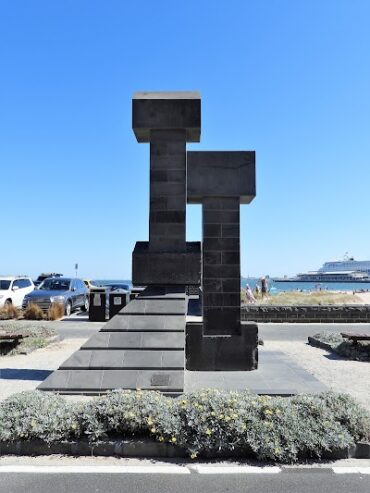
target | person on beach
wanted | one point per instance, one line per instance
(249, 294)
(263, 286)
(257, 290)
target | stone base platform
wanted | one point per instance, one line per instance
(221, 353)
(166, 268)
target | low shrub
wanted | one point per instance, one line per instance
(344, 347)
(8, 312)
(130, 413)
(36, 415)
(56, 311)
(205, 422)
(33, 312)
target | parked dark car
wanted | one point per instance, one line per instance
(72, 293)
(44, 276)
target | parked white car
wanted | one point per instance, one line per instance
(13, 289)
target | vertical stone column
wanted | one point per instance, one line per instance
(167, 228)
(167, 121)
(221, 266)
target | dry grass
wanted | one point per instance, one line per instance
(313, 298)
(33, 312)
(36, 335)
(8, 312)
(56, 311)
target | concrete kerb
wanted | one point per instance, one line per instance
(146, 449)
(322, 345)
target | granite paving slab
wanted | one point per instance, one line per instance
(277, 374)
(147, 323)
(142, 306)
(100, 381)
(118, 358)
(135, 340)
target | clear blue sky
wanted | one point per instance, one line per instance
(289, 79)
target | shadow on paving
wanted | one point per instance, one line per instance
(24, 374)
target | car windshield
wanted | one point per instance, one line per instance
(56, 284)
(4, 284)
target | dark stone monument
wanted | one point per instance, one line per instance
(143, 346)
(220, 181)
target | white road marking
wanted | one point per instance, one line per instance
(167, 469)
(351, 470)
(238, 469)
(163, 469)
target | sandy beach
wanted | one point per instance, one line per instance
(365, 297)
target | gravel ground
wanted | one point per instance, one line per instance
(26, 372)
(338, 374)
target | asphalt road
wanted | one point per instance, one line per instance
(288, 481)
(78, 326)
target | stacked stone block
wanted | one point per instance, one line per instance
(221, 265)
(167, 228)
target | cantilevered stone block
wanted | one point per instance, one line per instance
(221, 174)
(166, 111)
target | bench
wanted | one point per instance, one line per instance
(6, 336)
(9, 340)
(360, 340)
(353, 336)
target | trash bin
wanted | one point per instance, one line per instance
(97, 307)
(117, 300)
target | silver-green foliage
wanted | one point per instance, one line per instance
(205, 422)
(332, 338)
(129, 413)
(344, 347)
(36, 415)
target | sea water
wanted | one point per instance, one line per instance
(278, 287)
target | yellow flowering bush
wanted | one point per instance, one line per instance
(205, 423)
